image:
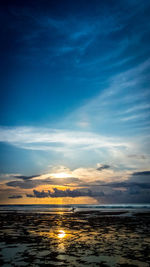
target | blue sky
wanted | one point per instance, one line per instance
(75, 96)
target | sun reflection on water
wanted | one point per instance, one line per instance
(61, 234)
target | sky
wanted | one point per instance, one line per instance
(75, 102)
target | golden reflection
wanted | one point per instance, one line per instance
(53, 234)
(61, 234)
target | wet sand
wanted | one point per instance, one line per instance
(75, 239)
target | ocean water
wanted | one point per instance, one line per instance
(68, 208)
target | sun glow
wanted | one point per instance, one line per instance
(61, 175)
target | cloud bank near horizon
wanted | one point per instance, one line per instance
(135, 187)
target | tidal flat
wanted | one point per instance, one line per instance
(91, 238)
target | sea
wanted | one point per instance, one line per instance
(49, 208)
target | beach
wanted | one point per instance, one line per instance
(82, 238)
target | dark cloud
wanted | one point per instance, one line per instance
(126, 185)
(15, 196)
(133, 194)
(29, 183)
(26, 177)
(119, 192)
(134, 190)
(65, 193)
(39, 194)
(140, 177)
(103, 167)
(142, 173)
(29, 195)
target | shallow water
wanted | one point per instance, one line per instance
(74, 239)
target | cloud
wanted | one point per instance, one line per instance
(136, 108)
(103, 167)
(33, 138)
(65, 193)
(26, 177)
(110, 193)
(128, 184)
(113, 110)
(15, 196)
(136, 116)
(28, 184)
(29, 195)
(134, 190)
(130, 189)
(63, 176)
(140, 177)
(142, 173)
(114, 193)
(72, 144)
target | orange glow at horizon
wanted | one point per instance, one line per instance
(57, 201)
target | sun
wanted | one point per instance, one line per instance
(61, 175)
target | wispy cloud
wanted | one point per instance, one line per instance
(136, 116)
(76, 144)
(27, 137)
(122, 102)
(144, 106)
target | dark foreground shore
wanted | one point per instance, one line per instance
(75, 239)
